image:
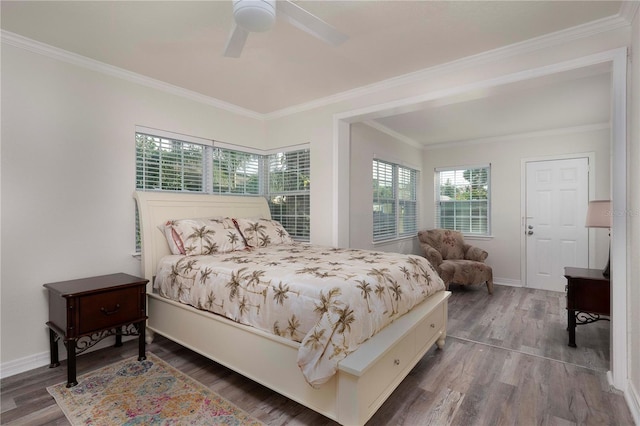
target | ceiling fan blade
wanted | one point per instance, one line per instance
(309, 23)
(236, 41)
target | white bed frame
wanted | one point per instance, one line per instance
(365, 378)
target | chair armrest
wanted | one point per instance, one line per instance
(431, 254)
(475, 253)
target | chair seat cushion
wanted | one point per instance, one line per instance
(462, 271)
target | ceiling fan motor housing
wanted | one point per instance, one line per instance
(254, 15)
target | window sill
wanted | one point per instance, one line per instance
(394, 240)
(477, 237)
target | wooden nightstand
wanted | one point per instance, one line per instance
(588, 298)
(85, 311)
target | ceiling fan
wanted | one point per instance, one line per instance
(259, 15)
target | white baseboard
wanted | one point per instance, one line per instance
(17, 366)
(11, 368)
(508, 282)
(632, 396)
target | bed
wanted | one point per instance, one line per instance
(364, 378)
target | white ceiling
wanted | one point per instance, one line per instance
(572, 99)
(181, 43)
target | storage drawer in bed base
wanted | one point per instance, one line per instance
(382, 369)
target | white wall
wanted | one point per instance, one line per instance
(505, 157)
(633, 288)
(367, 144)
(68, 174)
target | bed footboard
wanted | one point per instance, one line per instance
(365, 378)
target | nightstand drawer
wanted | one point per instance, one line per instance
(104, 310)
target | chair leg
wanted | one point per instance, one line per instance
(490, 285)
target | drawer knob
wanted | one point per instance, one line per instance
(116, 309)
(433, 325)
(396, 361)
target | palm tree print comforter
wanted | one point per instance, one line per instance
(329, 299)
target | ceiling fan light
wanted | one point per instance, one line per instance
(254, 15)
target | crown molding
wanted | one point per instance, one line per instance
(529, 135)
(627, 11)
(16, 40)
(399, 136)
(548, 40)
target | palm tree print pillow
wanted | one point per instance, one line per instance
(263, 232)
(194, 237)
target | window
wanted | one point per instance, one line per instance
(395, 209)
(235, 172)
(168, 165)
(166, 162)
(289, 191)
(463, 199)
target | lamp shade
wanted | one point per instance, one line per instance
(599, 214)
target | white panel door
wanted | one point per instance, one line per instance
(557, 195)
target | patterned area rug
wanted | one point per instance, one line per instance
(150, 392)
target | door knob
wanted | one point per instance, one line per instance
(530, 233)
(530, 226)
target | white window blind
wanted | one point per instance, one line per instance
(394, 201)
(463, 199)
(289, 191)
(164, 162)
(168, 165)
(235, 172)
(407, 201)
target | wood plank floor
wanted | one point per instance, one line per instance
(526, 320)
(506, 362)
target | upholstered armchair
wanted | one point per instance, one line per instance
(455, 261)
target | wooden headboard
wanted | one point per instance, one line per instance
(155, 208)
